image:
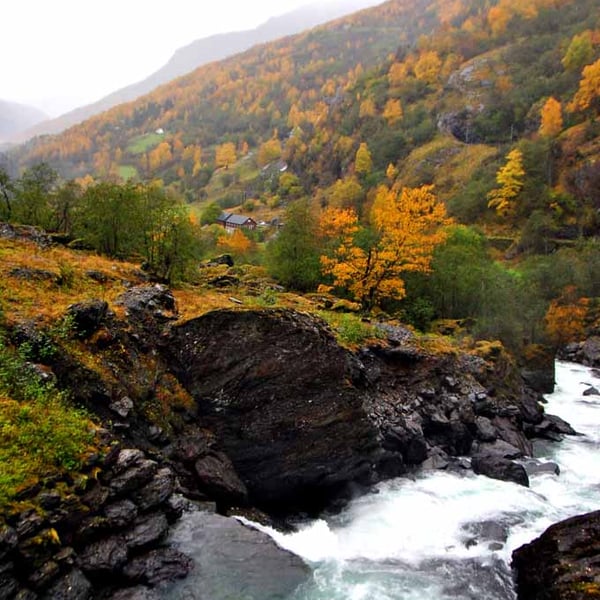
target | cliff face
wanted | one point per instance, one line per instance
(255, 408)
(264, 408)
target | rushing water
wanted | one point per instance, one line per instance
(450, 536)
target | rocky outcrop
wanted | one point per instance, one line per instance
(282, 397)
(587, 352)
(563, 563)
(93, 536)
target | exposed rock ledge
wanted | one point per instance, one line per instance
(263, 408)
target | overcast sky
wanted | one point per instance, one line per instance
(60, 54)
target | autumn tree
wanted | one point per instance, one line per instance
(392, 111)
(269, 151)
(236, 244)
(363, 163)
(588, 94)
(566, 318)
(369, 261)
(552, 121)
(510, 179)
(6, 192)
(579, 53)
(225, 155)
(428, 67)
(293, 256)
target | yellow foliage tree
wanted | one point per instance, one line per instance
(397, 74)
(405, 227)
(225, 155)
(367, 108)
(510, 178)
(566, 318)
(392, 112)
(552, 121)
(236, 243)
(588, 93)
(269, 151)
(428, 67)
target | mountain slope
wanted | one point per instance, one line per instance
(15, 118)
(198, 53)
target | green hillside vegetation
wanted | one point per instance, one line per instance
(340, 133)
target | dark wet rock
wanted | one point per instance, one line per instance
(437, 460)
(590, 351)
(28, 523)
(146, 531)
(158, 566)
(499, 468)
(553, 427)
(486, 532)
(8, 584)
(224, 259)
(72, 586)
(485, 431)
(154, 301)
(234, 561)
(122, 406)
(104, 557)
(563, 563)
(88, 316)
(25, 594)
(532, 410)
(157, 491)
(539, 371)
(591, 391)
(408, 439)
(500, 449)
(30, 274)
(136, 593)
(286, 404)
(8, 541)
(217, 477)
(509, 431)
(188, 448)
(120, 514)
(28, 233)
(134, 477)
(97, 276)
(41, 577)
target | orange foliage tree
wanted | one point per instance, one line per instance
(225, 155)
(566, 318)
(552, 121)
(588, 93)
(368, 261)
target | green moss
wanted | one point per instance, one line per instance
(40, 432)
(349, 329)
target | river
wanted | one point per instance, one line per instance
(448, 536)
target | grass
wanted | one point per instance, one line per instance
(40, 432)
(350, 330)
(142, 143)
(127, 172)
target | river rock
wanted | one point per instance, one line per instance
(217, 477)
(103, 558)
(233, 561)
(283, 398)
(563, 563)
(73, 586)
(158, 566)
(500, 468)
(146, 531)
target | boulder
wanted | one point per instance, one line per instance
(283, 398)
(500, 468)
(158, 566)
(72, 586)
(217, 477)
(149, 301)
(103, 558)
(88, 316)
(563, 563)
(147, 531)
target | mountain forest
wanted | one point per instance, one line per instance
(432, 161)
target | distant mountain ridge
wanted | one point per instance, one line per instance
(15, 117)
(194, 55)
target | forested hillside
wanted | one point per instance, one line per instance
(432, 159)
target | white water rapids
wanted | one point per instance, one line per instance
(425, 538)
